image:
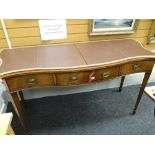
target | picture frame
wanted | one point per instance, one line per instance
(113, 26)
(151, 38)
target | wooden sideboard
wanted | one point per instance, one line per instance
(72, 64)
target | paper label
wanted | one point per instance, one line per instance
(53, 29)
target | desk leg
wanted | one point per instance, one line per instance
(21, 96)
(121, 84)
(22, 99)
(19, 111)
(144, 83)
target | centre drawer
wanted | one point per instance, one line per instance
(135, 67)
(29, 81)
(74, 78)
(64, 79)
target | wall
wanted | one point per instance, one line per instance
(26, 33)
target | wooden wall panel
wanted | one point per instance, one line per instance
(16, 23)
(35, 32)
(71, 29)
(2, 36)
(27, 33)
(144, 25)
(3, 42)
(0, 25)
(150, 47)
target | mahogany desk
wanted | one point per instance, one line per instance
(72, 64)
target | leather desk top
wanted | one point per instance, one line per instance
(67, 56)
(111, 51)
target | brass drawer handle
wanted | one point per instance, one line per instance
(105, 74)
(136, 67)
(74, 78)
(31, 80)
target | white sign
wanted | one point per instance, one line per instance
(53, 29)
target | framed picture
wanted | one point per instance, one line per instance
(113, 26)
(151, 38)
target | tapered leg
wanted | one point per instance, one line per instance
(19, 111)
(21, 96)
(146, 78)
(121, 84)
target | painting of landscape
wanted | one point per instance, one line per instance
(113, 26)
(113, 23)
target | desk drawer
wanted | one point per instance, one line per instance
(135, 67)
(107, 73)
(64, 79)
(29, 81)
(86, 77)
